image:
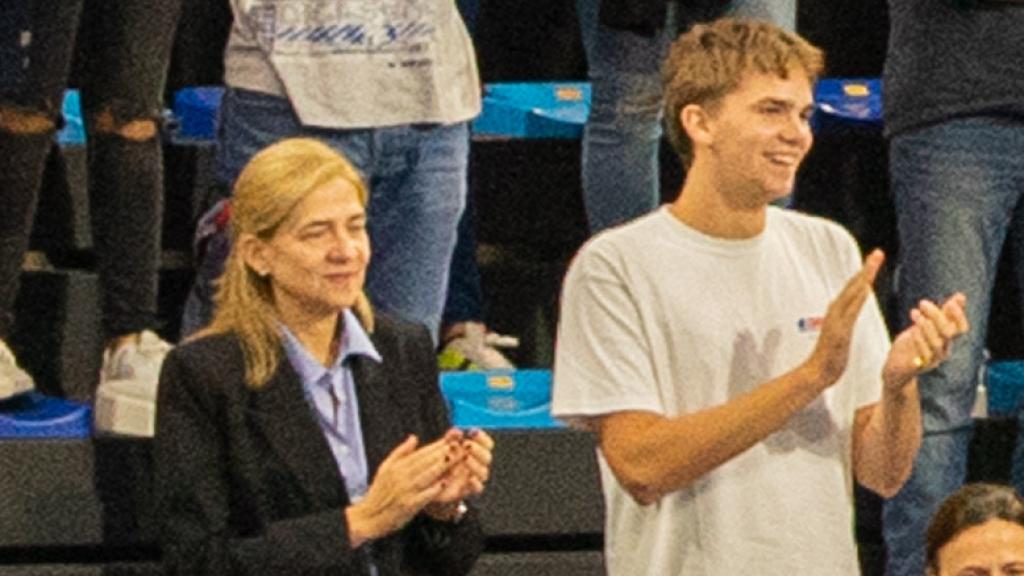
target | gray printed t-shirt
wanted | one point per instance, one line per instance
(356, 63)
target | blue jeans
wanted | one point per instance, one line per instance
(465, 300)
(958, 188)
(621, 138)
(417, 180)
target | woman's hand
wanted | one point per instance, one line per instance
(406, 481)
(478, 448)
(467, 477)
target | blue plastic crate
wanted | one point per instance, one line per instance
(534, 110)
(499, 399)
(1004, 383)
(73, 132)
(196, 111)
(34, 415)
(849, 102)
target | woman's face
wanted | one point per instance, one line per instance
(317, 259)
(995, 548)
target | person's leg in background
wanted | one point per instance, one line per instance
(30, 103)
(466, 342)
(1017, 245)
(955, 186)
(621, 139)
(464, 338)
(125, 50)
(782, 13)
(619, 165)
(417, 194)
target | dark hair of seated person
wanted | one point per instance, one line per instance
(971, 506)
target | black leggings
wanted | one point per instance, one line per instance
(123, 50)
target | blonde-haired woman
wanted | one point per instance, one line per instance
(299, 433)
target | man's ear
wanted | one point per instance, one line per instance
(696, 121)
(255, 254)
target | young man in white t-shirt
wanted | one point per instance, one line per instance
(730, 356)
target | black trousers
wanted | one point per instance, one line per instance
(120, 50)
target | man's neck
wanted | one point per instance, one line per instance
(704, 206)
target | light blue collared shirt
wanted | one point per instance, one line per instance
(337, 413)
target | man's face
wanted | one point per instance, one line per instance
(760, 133)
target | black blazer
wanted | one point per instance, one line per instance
(246, 482)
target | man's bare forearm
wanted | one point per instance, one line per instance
(652, 455)
(887, 439)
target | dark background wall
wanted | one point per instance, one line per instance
(539, 39)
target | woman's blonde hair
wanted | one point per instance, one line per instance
(711, 60)
(276, 180)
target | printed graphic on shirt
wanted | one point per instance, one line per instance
(756, 360)
(370, 27)
(810, 324)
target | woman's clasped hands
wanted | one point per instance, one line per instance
(434, 478)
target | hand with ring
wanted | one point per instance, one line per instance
(928, 341)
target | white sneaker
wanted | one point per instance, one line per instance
(477, 349)
(13, 380)
(126, 396)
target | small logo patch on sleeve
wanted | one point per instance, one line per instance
(810, 324)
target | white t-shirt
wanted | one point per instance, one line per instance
(356, 63)
(659, 317)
